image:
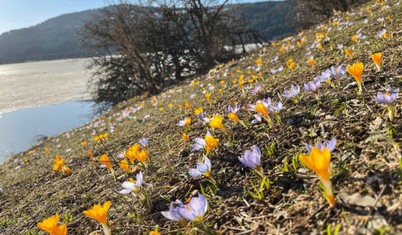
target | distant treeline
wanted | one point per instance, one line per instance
(57, 38)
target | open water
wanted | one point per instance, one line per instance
(41, 99)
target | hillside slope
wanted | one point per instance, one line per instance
(365, 163)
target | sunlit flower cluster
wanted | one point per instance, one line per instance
(59, 165)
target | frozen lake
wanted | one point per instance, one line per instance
(41, 99)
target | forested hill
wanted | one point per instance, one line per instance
(57, 38)
(272, 20)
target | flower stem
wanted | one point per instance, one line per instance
(106, 230)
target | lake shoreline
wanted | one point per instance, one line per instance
(21, 128)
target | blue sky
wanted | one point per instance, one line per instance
(16, 14)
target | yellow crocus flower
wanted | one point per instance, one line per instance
(318, 161)
(50, 226)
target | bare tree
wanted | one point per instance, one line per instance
(143, 48)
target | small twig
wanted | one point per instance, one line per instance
(375, 204)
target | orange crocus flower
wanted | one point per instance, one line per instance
(208, 97)
(99, 213)
(210, 143)
(311, 61)
(131, 153)
(124, 165)
(50, 226)
(142, 156)
(198, 110)
(58, 163)
(260, 107)
(356, 71)
(377, 60)
(349, 52)
(188, 122)
(106, 161)
(234, 117)
(185, 137)
(318, 161)
(241, 84)
(216, 122)
(188, 105)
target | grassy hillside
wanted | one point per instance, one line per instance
(365, 164)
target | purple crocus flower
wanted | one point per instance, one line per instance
(293, 92)
(182, 122)
(329, 145)
(274, 59)
(266, 102)
(339, 47)
(233, 110)
(130, 186)
(256, 89)
(121, 155)
(275, 108)
(196, 209)
(249, 87)
(252, 159)
(324, 76)
(381, 33)
(143, 142)
(312, 86)
(257, 119)
(338, 72)
(203, 168)
(173, 213)
(199, 144)
(269, 105)
(388, 97)
(203, 116)
(359, 36)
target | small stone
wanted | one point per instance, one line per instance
(376, 123)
